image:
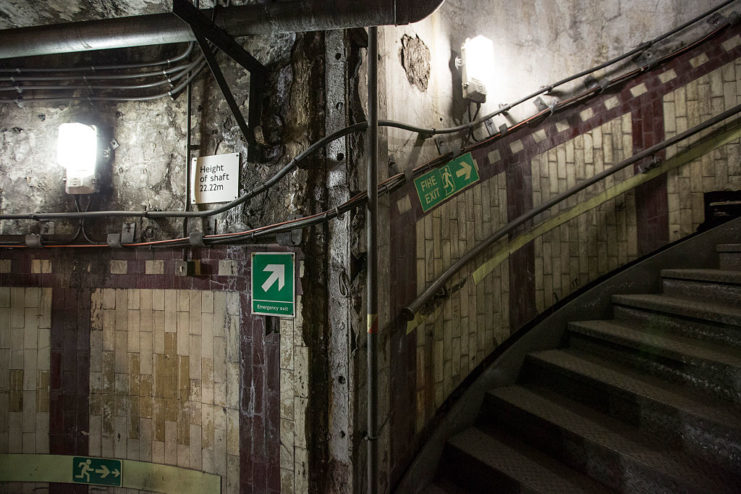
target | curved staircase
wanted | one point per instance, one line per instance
(647, 402)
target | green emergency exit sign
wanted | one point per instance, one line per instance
(96, 471)
(441, 183)
(273, 291)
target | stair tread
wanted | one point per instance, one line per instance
(708, 275)
(699, 309)
(728, 248)
(665, 343)
(442, 486)
(534, 469)
(613, 435)
(640, 384)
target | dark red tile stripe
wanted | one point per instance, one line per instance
(403, 281)
(70, 346)
(521, 263)
(652, 209)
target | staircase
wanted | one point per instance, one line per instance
(647, 402)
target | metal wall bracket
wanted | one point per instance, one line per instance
(206, 31)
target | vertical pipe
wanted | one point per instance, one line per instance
(372, 282)
(186, 207)
(188, 154)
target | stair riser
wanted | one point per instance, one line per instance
(711, 441)
(730, 260)
(720, 382)
(713, 292)
(655, 322)
(618, 472)
(473, 475)
(705, 313)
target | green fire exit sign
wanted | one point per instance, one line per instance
(98, 471)
(439, 184)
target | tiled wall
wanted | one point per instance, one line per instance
(294, 402)
(628, 215)
(146, 365)
(164, 379)
(25, 322)
(686, 107)
(474, 319)
(597, 241)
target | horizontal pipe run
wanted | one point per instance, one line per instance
(411, 309)
(157, 29)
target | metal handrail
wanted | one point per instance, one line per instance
(412, 308)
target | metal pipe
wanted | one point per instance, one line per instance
(267, 18)
(411, 309)
(371, 223)
(189, 103)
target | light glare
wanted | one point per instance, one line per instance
(478, 67)
(77, 149)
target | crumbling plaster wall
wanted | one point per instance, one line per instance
(536, 43)
(147, 171)
(19, 13)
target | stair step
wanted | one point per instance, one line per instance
(491, 461)
(657, 322)
(711, 275)
(443, 486)
(703, 364)
(609, 451)
(730, 256)
(702, 310)
(684, 419)
(721, 286)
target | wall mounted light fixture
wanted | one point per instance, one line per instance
(477, 60)
(77, 152)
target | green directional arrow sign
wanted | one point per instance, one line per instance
(273, 291)
(439, 184)
(99, 471)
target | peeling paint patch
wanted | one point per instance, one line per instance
(415, 58)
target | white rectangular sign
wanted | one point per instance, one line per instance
(214, 178)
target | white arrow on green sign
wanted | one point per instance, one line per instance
(98, 471)
(439, 184)
(273, 291)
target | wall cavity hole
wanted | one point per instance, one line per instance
(337, 56)
(340, 156)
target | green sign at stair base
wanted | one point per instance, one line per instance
(273, 291)
(437, 185)
(98, 471)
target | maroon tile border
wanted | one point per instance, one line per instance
(652, 208)
(73, 285)
(403, 281)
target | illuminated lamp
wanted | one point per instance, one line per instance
(477, 57)
(77, 153)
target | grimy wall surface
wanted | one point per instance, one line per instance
(630, 214)
(107, 352)
(115, 356)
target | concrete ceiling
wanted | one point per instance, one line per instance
(22, 13)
